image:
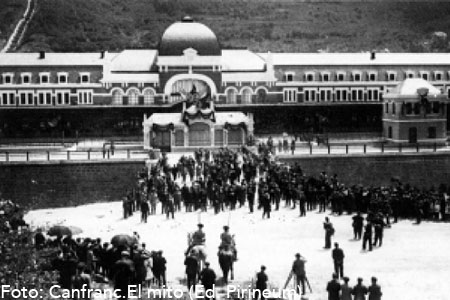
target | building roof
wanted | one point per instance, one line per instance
(130, 77)
(411, 88)
(356, 59)
(53, 59)
(188, 34)
(164, 119)
(242, 60)
(133, 61)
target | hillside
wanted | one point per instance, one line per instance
(10, 12)
(92, 25)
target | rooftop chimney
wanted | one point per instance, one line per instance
(372, 55)
(41, 54)
(102, 54)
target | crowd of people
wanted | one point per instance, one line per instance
(225, 180)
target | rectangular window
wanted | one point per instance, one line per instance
(386, 108)
(8, 98)
(26, 78)
(290, 95)
(372, 76)
(356, 76)
(417, 108)
(309, 77)
(391, 76)
(338, 95)
(435, 107)
(394, 108)
(84, 97)
(325, 95)
(62, 98)
(325, 76)
(408, 108)
(310, 95)
(62, 78)
(438, 76)
(44, 78)
(340, 76)
(289, 77)
(85, 77)
(432, 132)
(7, 78)
(425, 75)
(409, 74)
(44, 98)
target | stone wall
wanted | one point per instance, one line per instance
(55, 184)
(422, 170)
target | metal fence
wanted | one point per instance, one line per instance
(55, 155)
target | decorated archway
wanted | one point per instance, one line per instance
(177, 87)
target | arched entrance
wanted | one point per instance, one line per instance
(199, 135)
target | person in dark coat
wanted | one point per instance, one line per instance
(359, 291)
(358, 222)
(374, 290)
(208, 279)
(338, 260)
(81, 281)
(123, 271)
(265, 202)
(298, 269)
(39, 240)
(145, 209)
(261, 283)
(159, 268)
(333, 288)
(191, 264)
(367, 238)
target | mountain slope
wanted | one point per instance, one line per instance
(92, 25)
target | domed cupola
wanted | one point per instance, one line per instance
(188, 34)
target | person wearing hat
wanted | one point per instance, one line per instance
(346, 290)
(338, 259)
(208, 279)
(298, 269)
(159, 268)
(374, 290)
(261, 283)
(333, 288)
(359, 291)
(198, 238)
(123, 274)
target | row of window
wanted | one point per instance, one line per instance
(43, 98)
(365, 76)
(412, 108)
(413, 133)
(133, 97)
(329, 95)
(44, 78)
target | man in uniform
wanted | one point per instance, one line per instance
(367, 238)
(191, 264)
(197, 238)
(359, 291)
(298, 268)
(227, 240)
(123, 271)
(329, 231)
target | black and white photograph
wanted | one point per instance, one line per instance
(224, 149)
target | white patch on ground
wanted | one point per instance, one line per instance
(414, 262)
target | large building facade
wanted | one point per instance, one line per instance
(107, 94)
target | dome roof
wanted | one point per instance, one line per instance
(188, 34)
(411, 87)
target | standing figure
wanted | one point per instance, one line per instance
(359, 291)
(333, 288)
(329, 231)
(367, 238)
(346, 290)
(358, 222)
(208, 279)
(374, 290)
(261, 283)
(338, 260)
(191, 264)
(298, 268)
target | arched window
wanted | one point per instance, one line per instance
(149, 97)
(231, 96)
(261, 95)
(117, 97)
(133, 97)
(247, 96)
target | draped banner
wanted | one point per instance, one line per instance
(229, 126)
(157, 127)
(205, 114)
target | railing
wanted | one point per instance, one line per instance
(55, 155)
(347, 149)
